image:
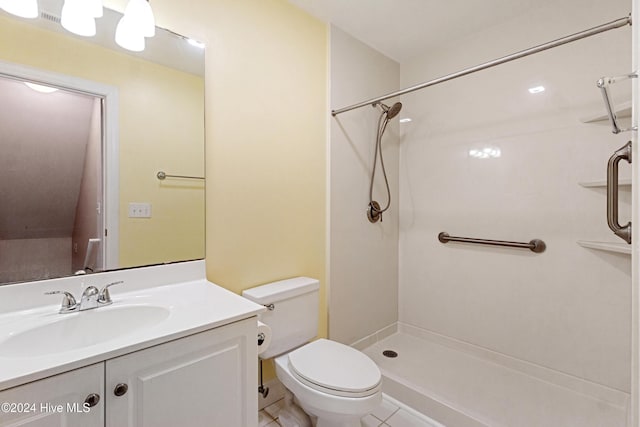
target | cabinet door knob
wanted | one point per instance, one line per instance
(92, 400)
(120, 389)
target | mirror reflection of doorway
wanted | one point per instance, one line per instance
(50, 182)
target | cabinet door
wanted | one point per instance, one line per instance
(56, 401)
(207, 379)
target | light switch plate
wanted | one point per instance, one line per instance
(139, 210)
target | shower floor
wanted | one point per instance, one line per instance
(462, 386)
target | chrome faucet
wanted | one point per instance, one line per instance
(91, 298)
(104, 298)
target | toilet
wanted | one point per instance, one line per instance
(331, 381)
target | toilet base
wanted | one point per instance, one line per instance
(329, 410)
(355, 422)
(323, 418)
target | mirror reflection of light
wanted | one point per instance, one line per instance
(405, 120)
(21, 8)
(41, 88)
(536, 89)
(195, 43)
(78, 17)
(485, 153)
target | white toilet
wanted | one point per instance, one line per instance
(331, 381)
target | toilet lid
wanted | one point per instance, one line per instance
(335, 369)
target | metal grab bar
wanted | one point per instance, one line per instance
(536, 245)
(624, 232)
(603, 84)
(161, 176)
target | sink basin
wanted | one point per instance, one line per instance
(83, 329)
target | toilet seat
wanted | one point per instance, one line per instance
(335, 369)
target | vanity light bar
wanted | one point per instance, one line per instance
(79, 17)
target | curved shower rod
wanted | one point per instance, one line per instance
(536, 49)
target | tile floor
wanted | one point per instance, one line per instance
(391, 413)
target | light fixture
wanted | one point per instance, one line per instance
(21, 8)
(140, 14)
(41, 88)
(95, 8)
(136, 24)
(129, 36)
(78, 17)
(485, 153)
(536, 89)
(195, 43)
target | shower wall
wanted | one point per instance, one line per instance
(485, 158)
(363, 263)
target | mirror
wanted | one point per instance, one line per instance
(79, 170)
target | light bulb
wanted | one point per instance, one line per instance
(140, 15)
(21, 8)
(129, 36)
(95, 8)
(76, 18)
(41, 88)
(196, 43)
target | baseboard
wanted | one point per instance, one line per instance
(379, 335)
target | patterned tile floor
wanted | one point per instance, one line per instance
(390, 413)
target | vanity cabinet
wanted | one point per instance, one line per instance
(199, 380)
(56, 401)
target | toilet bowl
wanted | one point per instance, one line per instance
(333, 382)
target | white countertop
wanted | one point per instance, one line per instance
(194, 306)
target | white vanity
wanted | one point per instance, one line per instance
(173, 349)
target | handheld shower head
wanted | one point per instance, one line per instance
(391, 111)
(394, 110)
(374, 211)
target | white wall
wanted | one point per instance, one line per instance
(568, 308)
(363, 256)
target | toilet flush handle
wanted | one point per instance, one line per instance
(270, 307)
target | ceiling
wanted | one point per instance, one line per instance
(403, 29)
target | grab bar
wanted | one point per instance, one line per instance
(536, 245)
(161, 176)
(603, 84)
(624, 232)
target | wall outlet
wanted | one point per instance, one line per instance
(139, 210)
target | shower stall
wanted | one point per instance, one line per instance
(514, 152)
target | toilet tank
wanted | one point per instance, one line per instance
(294, 318)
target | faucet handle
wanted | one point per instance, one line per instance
(68, 301)
(104, 297)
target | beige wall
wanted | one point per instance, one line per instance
(363, 256)
(160, 119)
(266, 114)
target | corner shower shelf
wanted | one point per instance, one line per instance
(621, 248)
(603, 183)
(622, 111)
